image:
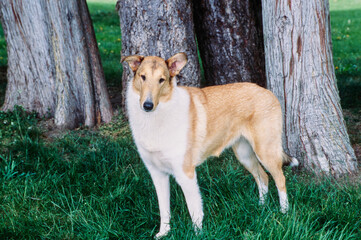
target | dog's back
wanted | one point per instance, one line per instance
(232, 111)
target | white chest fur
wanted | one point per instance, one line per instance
(161, 135)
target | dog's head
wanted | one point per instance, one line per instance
(153, 78)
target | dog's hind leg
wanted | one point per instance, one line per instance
(193, 197)
(247, 157)
(271, 158)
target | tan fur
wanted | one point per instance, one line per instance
(233, 111)
(153, 68)
(239, 109)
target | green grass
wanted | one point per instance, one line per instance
(346, 40)
(89, 184)
(107, 31)
(341, 5)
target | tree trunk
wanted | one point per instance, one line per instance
(159, 28)
(230, 41)
(300, 72)
(53, 61)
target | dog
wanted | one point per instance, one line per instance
(176, 128)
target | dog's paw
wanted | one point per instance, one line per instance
(284, 207)
(163, 232)
(261, 201)
(198, 228)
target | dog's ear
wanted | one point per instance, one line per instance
(176, 63)
(134, 61)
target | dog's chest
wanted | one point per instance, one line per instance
(161, 136)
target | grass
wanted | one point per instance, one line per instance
(91, 184)
(107, 30)
(346, 38)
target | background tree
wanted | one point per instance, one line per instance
(230, 40)
(159, 28)
(300, 72)
(54, 66)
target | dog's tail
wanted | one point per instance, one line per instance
(288, 160)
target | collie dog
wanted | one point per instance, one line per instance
(177, 128)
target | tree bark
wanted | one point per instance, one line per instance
(159, 28)
(300, 72)
(230, 40)
(54, 66)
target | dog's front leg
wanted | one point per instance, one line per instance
(161, 184)
(193, 198)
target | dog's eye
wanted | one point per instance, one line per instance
(143, 77)
(161, 80)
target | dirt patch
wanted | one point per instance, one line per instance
(3, 83)
(3, 74)
(115, 96)
(49, 130)
(353, 122)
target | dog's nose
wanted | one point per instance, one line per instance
(148, 106)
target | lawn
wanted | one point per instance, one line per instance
(346, 39)
(107, 30)
(91, 183)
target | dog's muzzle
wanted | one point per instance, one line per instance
(148, 106)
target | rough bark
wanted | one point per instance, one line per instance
(159, 28)
(300, 72)
(53, 61)
(230, 40)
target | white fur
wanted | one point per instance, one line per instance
(283, 201)
(250, 161)
(161, 136)
(161, 139)
(263, 190)
(294, 162)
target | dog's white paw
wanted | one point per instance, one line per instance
(197, 230)
(284, 206)
(261, 201)
(284, 209)
(197, 226)
(162, 232)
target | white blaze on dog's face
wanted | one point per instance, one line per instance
(153, 78)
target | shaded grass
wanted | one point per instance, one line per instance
(346, 39)
(3, 83)
(3, 52)
(89, 184)
(107, 30)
